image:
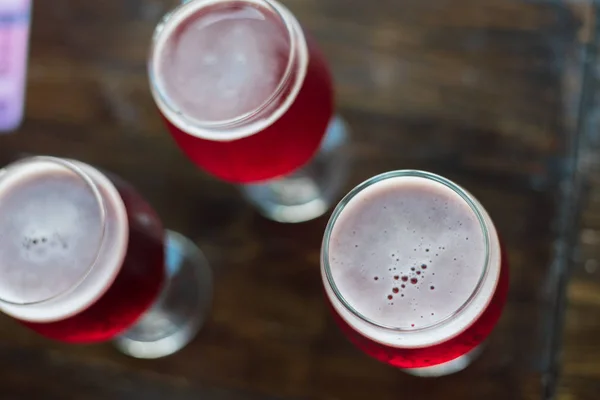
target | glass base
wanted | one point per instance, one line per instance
(447, 368)
(178, 314)
(309, 192)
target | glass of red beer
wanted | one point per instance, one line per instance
(85, 259)
(414, 272)
(248, 97)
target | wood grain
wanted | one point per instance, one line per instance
(483, 92)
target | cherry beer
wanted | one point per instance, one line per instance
(413, 270)
(246, 95)
(81, 258)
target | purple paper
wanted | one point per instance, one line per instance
(15, 19)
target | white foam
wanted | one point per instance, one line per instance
(44, 200)
(398, 224)
(228, 70)
(224, 64)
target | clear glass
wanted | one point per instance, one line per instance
(181, 309)
(309, 192)
(146, 289)
(294, 128)
(395, 344)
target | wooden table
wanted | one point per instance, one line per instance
(580, 372)
(485, 92)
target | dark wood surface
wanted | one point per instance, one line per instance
(580, 377)
(483, 92)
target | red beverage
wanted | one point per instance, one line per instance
(413, 270)
(82, 256)
(246, 95)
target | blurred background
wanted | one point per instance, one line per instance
(497, 95)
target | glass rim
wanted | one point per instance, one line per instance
(213, 130)
(93, 187)
(471, 202)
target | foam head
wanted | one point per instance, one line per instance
(51, 229)
(407, 252)
(217, 61)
